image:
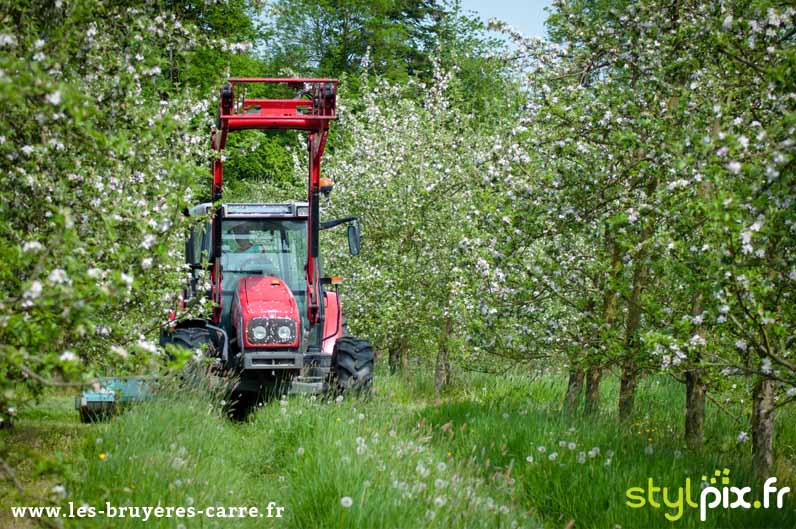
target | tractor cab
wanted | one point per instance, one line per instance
(257, 240)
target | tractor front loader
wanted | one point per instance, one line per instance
(274, 325)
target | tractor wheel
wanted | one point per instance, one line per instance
(352, 366)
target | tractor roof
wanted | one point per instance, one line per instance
(256, 209)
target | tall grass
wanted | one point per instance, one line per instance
(405, 459)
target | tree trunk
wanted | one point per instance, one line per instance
(695, 390)
(594, 376)
(630, 371)
(763, 427)
(394, 359)
(627, 389)
(399, 359)
(442, 368)
(574, 388)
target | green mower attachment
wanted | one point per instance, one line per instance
(113, 394)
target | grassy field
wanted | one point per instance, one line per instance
(493, 453)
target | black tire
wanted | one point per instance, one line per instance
(352, 366)
(191, 338)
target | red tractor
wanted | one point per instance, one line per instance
(274, 323)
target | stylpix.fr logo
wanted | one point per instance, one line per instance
(715, 493)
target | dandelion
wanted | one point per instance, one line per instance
(594, 452)
(300, 451)
(440, 483)
(609, 453)
(572, 446)
(440, 501)
(59, 490)
(361, 450)
(339, 399)
(102, 456)
(541, 449)
(553, 456)
(430, 514)
(529, 459)
(441, 466)
(678, 454)
(562, 444)
(346, 502)
(608, 462)
(581, 457)
(504, 509)
(422, 470)
(649, 450)
(361, 416)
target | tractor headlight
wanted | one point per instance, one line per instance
(271, 331)
(284, 332)
(259, 332)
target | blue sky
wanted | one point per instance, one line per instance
(528, 16)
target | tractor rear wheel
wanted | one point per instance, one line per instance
(352, 366)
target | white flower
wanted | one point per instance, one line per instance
(146, 263)
(346, 502)
(57, 276)
(149, 241)
(32, 246)
(54, 98)
(727, 24)
(7, 40)
(68, 356)
(743, 437)
(127, 278)
(791, 392)
(734, 167)
(34, 291)
(121, 351)
(59, 490)
(27, 150)
(765, 367)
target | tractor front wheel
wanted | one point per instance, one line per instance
(352, 366)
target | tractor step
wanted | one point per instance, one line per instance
(307, 386)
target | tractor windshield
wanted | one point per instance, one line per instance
(268, 247)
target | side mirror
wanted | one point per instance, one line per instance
(354, 242)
